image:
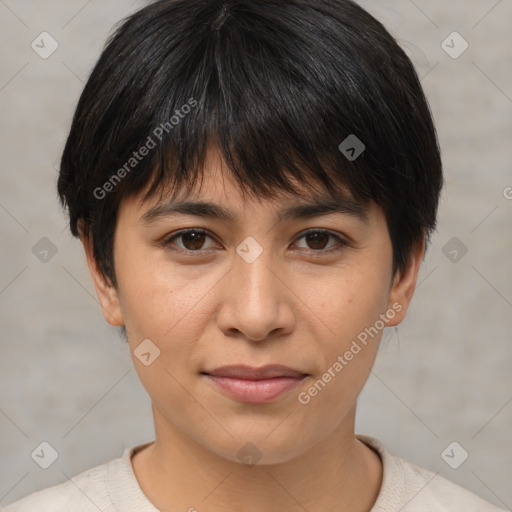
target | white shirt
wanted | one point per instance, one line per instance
(112, 487)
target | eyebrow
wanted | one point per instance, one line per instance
(306, 210)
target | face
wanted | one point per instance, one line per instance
(310, 293)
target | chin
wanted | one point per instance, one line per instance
(260, 448)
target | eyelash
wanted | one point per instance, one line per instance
(168, 242)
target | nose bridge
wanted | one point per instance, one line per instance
(254, 275)
(253, 303)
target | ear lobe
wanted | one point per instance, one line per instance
(404, 285)
(106, 292)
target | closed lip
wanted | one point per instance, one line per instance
(270, 371)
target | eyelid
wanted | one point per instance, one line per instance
(167, 240)
(342, 240)
(338, 237)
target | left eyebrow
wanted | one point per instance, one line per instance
(325, 206)
(317, 208)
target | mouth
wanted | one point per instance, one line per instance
(255, 385)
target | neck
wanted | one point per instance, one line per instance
(339, 473)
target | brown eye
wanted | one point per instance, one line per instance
(192, 240)
(317, 240)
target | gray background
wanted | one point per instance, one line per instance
(444, 376)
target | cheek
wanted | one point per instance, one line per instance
(158, 306)
(154, 295)
(167, 305)
(352, 302)
(350, 307)
(347, 350)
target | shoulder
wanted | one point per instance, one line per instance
(441, 494)
(410, 488)
(84, 492)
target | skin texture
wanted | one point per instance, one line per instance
(287, 307)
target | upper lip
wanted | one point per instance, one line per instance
(255, 373)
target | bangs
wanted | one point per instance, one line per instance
(243, 86)
(175, 176)
(277, 88)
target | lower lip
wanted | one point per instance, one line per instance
(255, 391)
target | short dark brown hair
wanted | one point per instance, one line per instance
(277, 86)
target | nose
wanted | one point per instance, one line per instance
(256, 300)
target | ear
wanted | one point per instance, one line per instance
(404, 284)
(107, 293)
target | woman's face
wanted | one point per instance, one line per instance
(253, 290)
